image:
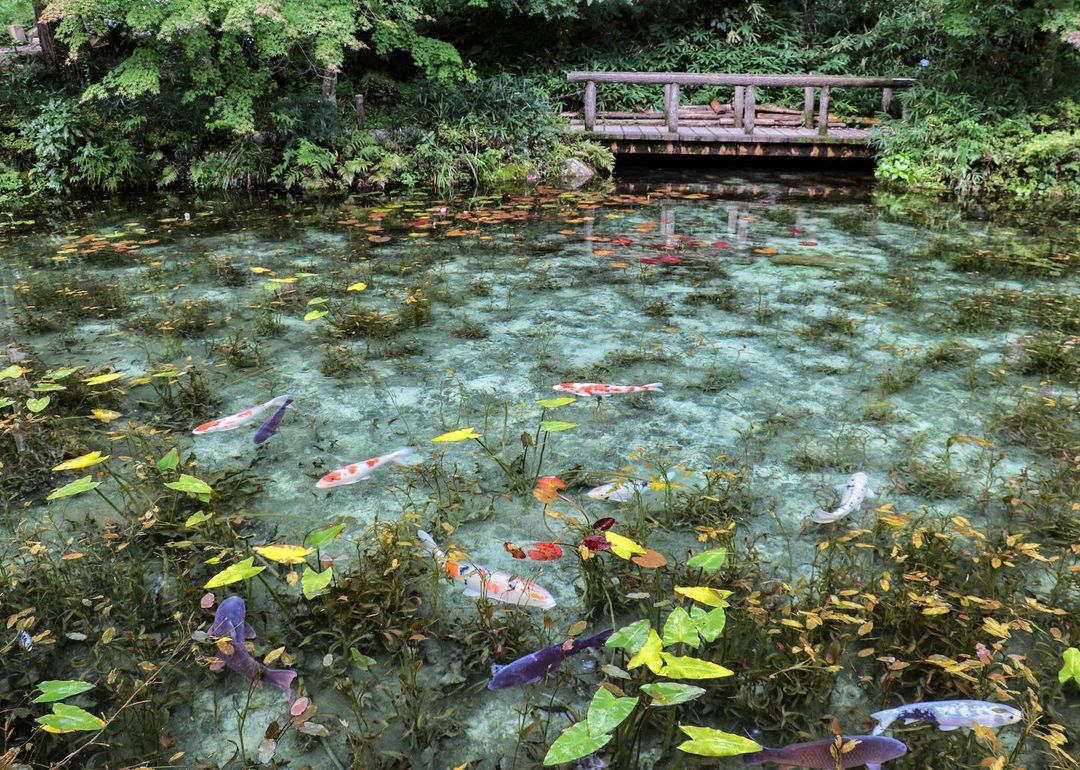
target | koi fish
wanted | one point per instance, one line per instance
(871, 751)
(270, 427)
(492, 584)
(600, 389)
(240, 419)
(350, 474)
(852, 494)
(231, 630)
(622, 490)
(949, 714)
(535, 666)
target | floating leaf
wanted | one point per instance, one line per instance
(708, 742)
(35, 405)
(691, 668)
(630, 638)
(196, 519)
(649, 654)
(680, 629)
(710, 596)
(650, 559)
(320, 536)
(48, 387)
(234, 573)
(606, 712)
(68, 719)
(671, 693)
(551, 403)
(283, 554)
(101, 379)
(623, 547)
(710, 561)
(545, 552)
(190, 484)
(11, 373)
(556, 426)
(457, 435)
(85, 484)
(311, 315)
(574, 743)
(358, 286)
(363, 662)
(169, 461)
(6, 402)
(709, 624)
(1071, 667)
(58, 689)
(547, 489)
(313, 582)
(82, 461)
(105, 415)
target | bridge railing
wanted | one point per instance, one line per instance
(745, 101)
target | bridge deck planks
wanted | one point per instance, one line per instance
(724, 134)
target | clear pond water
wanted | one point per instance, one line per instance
(804, 328)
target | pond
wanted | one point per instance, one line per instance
(804, 329)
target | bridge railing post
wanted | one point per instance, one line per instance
(671, 106)
(886, 100)
(737, 105)
(749, 109)
(590, 105)
(808, 107)
(823, 112)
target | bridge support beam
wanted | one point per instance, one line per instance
(737, 105)
(808, 107)
(590, 105)
(671, 106)
(750, 108)
(823, 112)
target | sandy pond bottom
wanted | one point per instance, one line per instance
(803, 327)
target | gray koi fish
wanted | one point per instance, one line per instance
(949, 714)
(231, 629)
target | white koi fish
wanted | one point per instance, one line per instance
(852, 494)
(350, 474)
(492, 584)
(240, 419)
(622, 490)
(599, 389)
(949, 714)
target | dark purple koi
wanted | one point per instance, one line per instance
(229, 625)
(270, 427)
(535, 666)
(871, 751)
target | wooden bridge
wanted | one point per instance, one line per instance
(739, 127)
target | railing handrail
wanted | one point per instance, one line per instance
(728, 79)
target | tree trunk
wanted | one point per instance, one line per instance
(329, 86)
(45, 34)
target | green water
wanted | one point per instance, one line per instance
(803, 327)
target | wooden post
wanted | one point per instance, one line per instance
(589, 112)
(823, 112)
(671, 106)
(886, 100)
(737, 104)
(358, 102)
(45, 34)
(808, 107)
(748, 116)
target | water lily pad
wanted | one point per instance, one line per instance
(234, 573)
(35, 405)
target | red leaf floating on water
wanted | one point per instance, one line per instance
(545, 552)
(721, 244)
(514, 550)
(596, 543)
(604, 524)
(670, 259)
(650, 261)
(547, 489)
(796, 231)
(808, 243)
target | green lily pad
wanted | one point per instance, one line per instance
(234, 573)
(35, 405)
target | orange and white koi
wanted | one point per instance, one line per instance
(240, 419)
(599, 389)
(496, 584)
(354, 472)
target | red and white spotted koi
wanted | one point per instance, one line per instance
(496, 585)
(354, 472)
(240, 419)
(600, 389)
